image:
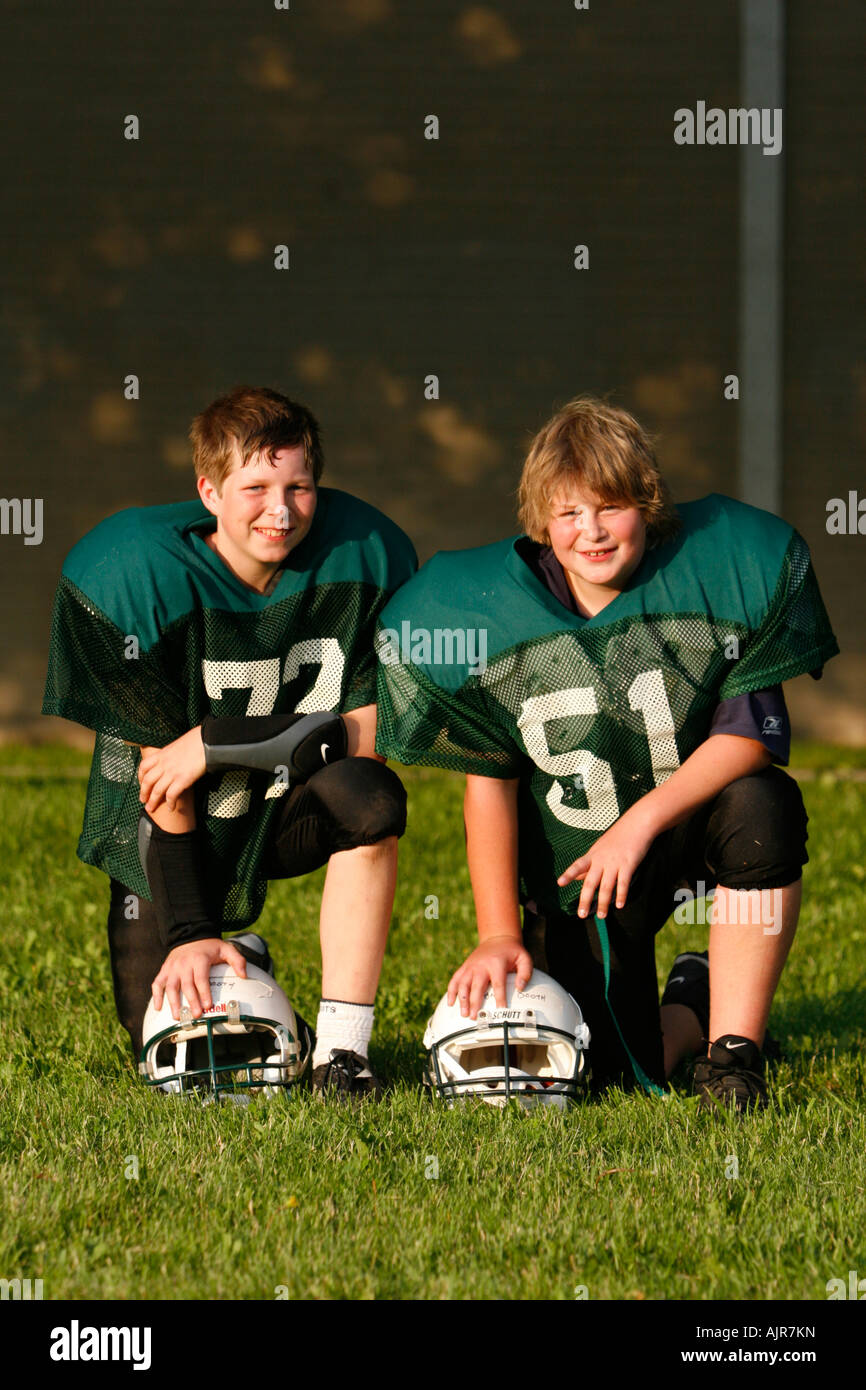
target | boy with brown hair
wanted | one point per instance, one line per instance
(621, 741)
(231, 641)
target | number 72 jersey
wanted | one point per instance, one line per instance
(483, 670)
(152, 631)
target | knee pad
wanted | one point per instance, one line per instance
(756, 832)
(364, 800)
(175, 876)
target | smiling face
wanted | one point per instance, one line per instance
(599, 545)
(263, 510)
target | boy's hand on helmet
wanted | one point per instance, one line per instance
(490, 963)
(186, 970)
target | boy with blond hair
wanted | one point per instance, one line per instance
(222, 650)
(624, 739)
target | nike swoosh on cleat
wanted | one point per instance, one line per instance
(731, 1046)
(324, 749)
(677, 980)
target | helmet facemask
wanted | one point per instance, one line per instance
(229, 1053)
(508, 1054)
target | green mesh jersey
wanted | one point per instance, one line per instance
(152, 632)
(592, 713)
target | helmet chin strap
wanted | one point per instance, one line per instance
(640, 1075)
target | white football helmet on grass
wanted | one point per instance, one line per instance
(534, 1050)
(250, 1042)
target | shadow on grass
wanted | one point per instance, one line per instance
(399, 1060)
(816, 1022)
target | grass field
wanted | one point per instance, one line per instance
(627, 1197)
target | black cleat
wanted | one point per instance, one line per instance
(346, 1077)
(732, 1075)
(254, 950)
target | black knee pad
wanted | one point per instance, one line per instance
(362, 798)
(756, 832)
(172, 865)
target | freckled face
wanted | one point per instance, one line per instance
(599, 545)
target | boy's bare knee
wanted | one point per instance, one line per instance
(181, 818)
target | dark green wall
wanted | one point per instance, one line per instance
(410, 257)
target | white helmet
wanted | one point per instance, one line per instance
(534, 1050)
(250, 1041)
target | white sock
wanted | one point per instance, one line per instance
(344, 1026)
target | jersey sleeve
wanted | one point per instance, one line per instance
(794, 636)
(398, 563)
(419, 721)
(101, 677)
(761, 715)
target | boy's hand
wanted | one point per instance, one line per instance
(165, 773)
(609, 866)
(490, 963)
(186, 969)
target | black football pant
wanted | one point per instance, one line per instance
(753, 835)
(356, 801)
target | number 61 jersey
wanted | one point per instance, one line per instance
(152, 631)
(483, 670)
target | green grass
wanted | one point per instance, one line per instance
(827, 757)
(629, 1197)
